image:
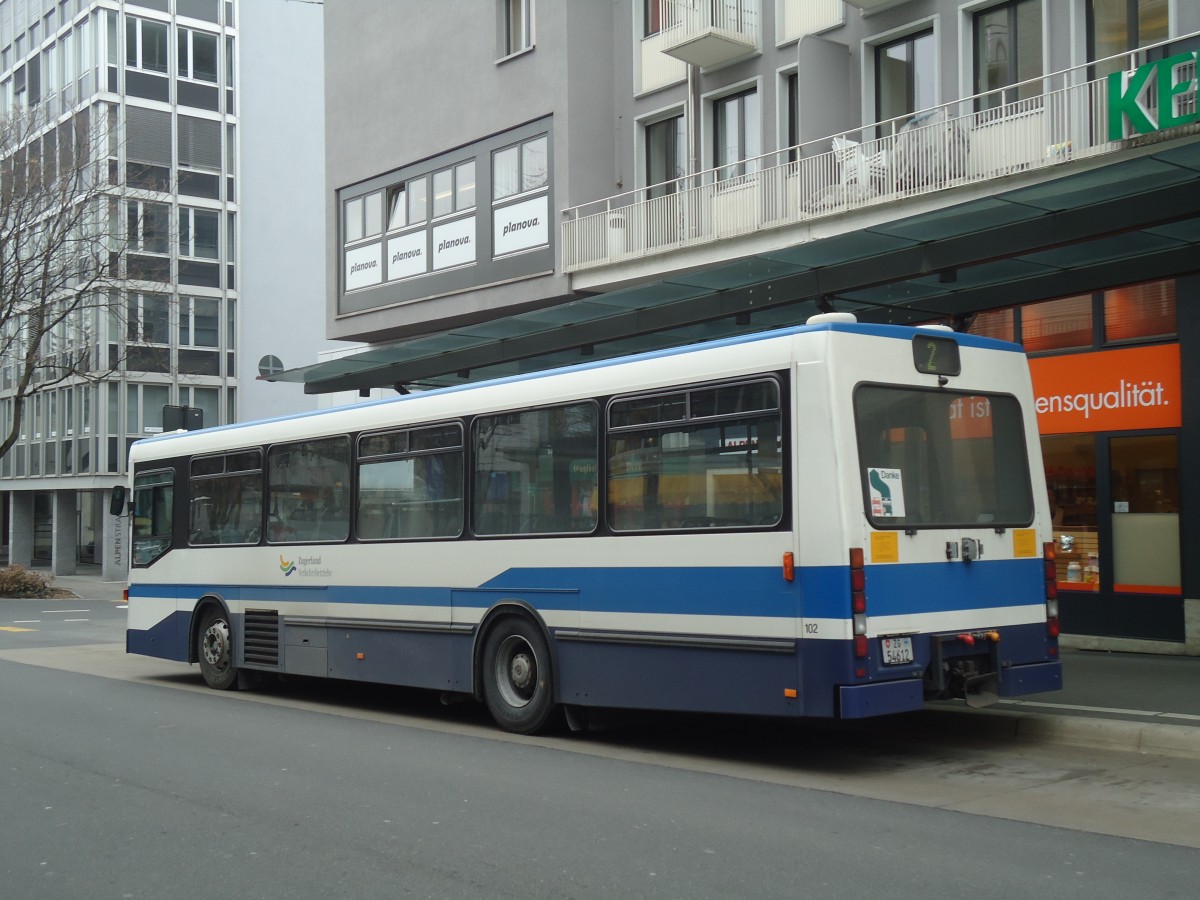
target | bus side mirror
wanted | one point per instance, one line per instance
(116, 503)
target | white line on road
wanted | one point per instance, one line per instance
(26, 621)
(77, 620)
(48, 611)
(1103, 709)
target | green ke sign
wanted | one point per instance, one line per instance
(1128, 100)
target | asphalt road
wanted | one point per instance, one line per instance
(123, 777)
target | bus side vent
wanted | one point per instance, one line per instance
(262, 637)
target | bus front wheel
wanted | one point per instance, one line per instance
(214, 650)
(518, 685)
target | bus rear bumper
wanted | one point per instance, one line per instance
(860, 701)
(1033, 678)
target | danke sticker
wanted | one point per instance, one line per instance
(887, 493)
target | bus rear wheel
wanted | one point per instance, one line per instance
(214, 650)
(518, 684)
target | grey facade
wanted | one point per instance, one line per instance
(282, 239)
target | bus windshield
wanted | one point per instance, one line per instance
(937, 458)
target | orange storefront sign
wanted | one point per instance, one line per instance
(1111, 390)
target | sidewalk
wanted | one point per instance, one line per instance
(89, 585)
(1129, 701)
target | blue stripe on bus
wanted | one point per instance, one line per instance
(899, 588)
(821, 592)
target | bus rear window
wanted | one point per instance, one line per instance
(937, 458)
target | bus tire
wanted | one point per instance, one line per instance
(518, 680)
(214, 650)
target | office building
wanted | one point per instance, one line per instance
(217, 218)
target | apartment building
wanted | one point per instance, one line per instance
(172, 86)
(516, 184)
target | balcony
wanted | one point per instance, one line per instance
(708, 33)
(874, 6)
(778, 198)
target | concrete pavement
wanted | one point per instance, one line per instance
(1131, 701)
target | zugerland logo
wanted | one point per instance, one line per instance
(1127, 395)
(287, 567)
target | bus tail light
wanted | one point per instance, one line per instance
(858, 601)
(1051, 581)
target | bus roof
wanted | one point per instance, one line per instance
(899, 332)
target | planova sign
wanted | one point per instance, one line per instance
(1153, 97)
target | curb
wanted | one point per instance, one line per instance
(1078, 731)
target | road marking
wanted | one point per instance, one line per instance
(1103, 709)
(13, 628)
(59, 611)
(77, 620)
(27, 621)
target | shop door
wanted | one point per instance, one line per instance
(1115, 502)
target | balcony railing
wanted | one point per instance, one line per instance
(1022, 128)
(709, 33)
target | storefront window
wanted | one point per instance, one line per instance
(1140, 311)
(1145, 492)
(1070, 461)
(994, 323)
(1057, 324)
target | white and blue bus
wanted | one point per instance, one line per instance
(836, 519)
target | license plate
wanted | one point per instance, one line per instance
(896, 651)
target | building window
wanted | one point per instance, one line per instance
(652, 16)
(453, 190)
(1008, 50)
(666, 155)
(1140, 312)
(1061, 324)
(407, 202)
(199, 322)
(1116, 26)
(518, 29)
(148, 226)
(146, 416)
(198, 232)
(1144, 479)
(993, 323)
(146, 45)
(737, 134)
(197, 55)
(904, 76)
(207, 400)
(792, 115)
(148, 319)
(363, 217)
(520, 168)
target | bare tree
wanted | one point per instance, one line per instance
(61, 254)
